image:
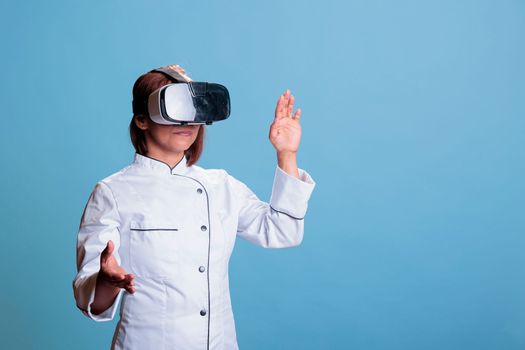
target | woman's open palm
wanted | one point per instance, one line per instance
(112, 273)
(285, 130)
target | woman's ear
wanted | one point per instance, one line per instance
(141, 122)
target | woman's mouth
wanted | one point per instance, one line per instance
(183, 133)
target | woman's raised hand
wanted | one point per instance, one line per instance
(285, 131)
(111, 273)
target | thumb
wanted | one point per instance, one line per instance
(106, 253)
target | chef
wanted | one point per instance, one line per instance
(156, 236)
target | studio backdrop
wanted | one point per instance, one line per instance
(413, 129)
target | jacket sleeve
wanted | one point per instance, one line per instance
(279, 223)
(99, 223)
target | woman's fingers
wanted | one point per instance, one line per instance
(115, 274)
(130, 278)
(297, 114)
(121, 284)
(130, 289)
(119, 275)
(115, 277)
(130, 285)
(284, 105)
(290, 107)
(279, 107)
(286, 102)
(126, 282)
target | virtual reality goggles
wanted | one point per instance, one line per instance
(185, 102)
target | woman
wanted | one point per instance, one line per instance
(159, 233)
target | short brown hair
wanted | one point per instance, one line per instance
(143, 87)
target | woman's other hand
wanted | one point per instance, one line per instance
(111, 278)
(111, 273)
(285, 131)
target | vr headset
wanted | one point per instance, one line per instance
(185, 102)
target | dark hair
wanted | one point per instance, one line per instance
(143, 87)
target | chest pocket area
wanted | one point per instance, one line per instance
(154, 248)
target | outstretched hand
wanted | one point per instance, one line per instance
(111, 273)
(285, 130)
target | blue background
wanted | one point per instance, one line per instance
(413, 128)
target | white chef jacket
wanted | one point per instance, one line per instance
(174, 229)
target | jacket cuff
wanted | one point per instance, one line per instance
(290, 195)
(87, 296)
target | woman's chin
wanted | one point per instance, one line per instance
(179, 148)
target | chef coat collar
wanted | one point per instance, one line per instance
(159, 166)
